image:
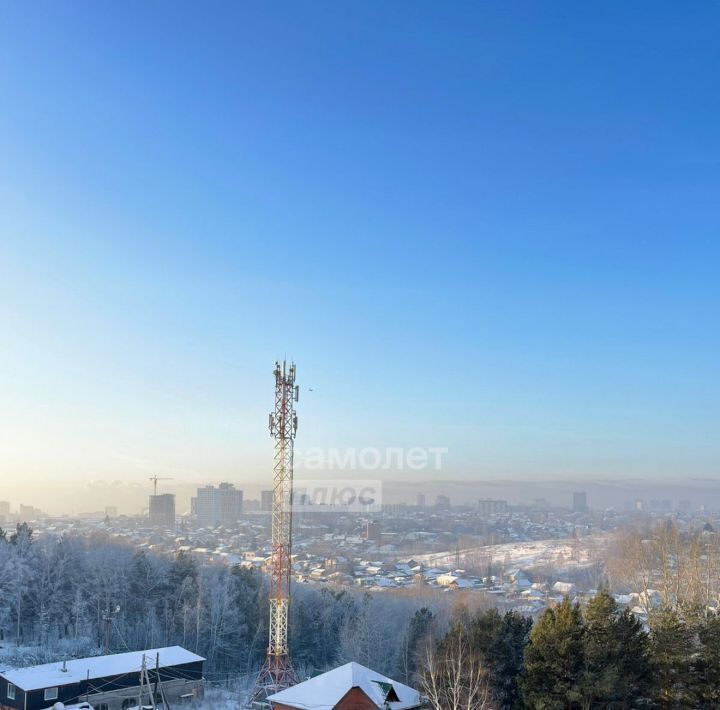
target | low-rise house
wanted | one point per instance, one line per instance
(105, 682)
(566, 588)
(518, 579)
(349, 687)
(446, 580)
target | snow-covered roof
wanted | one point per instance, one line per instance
(445, 579)
(49, 675)
(325, 691)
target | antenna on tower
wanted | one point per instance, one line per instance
(277, 672)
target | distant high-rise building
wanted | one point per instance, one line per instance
(4, 509)
(421, 500)
(111, 511)
(251, 505)
(372, 531)
(218, 506)
(639, 505)
(300, 499)
(162, 510)
(30, 512)
(442, 502)
(266, 501)
(394, 508)
(580, 501)
(685, 505)
(490, 506)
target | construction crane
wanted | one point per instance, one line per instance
(277, 672)
(155, 479)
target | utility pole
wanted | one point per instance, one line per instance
(159, 690)
(157, 673)
(107, 620)
(277, 672)
(145, 681)
(107, 617)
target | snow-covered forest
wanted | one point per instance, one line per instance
(54, 593)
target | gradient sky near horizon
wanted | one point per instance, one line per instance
(492, 227)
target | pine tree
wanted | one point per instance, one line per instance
(419, 629)
(554, 660)
(507, 659)
(617, 670)
(708, 663)
(673, 650)
(483, 633)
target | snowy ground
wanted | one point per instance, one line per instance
(220, 699)
(522, 554)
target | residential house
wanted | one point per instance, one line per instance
(109, 682)
(348, 687)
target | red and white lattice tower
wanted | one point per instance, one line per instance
(277, 672)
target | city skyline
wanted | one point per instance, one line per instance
(132, 499)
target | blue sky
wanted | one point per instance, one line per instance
(491, 227)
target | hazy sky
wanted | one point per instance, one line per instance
(491, 227)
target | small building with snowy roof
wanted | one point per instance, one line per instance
(109, 682)
(348, 687)
(566, 588)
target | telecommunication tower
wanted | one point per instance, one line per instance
(277, 672)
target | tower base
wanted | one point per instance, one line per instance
(276, 674)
